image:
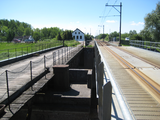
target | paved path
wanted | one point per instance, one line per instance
(19, 72)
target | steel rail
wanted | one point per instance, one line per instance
(152, 85)
(136, 71)
(125, 110)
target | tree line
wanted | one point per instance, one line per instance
(132, 35)
(13, 28)
(151, 31)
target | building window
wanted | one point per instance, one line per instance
(73, 37)
(75, 32)
(78, 32)
(80, 37)
(77, 37)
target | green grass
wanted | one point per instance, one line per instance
(89, 46)
(124, 45)
(71, 43)
(9, 50)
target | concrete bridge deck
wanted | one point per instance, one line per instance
(19, 78)
(141, 103)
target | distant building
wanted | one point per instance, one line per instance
(78, 35)
(23, 38)
(127, 38)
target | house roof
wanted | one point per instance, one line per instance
(77, 29)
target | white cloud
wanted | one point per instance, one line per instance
(111, 21)
(136, 24)
(77, 21)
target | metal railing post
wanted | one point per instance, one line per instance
(22, 51)
(62, 55)
(31, 73)
(100, 84)
(44, 62)
(27, 50)
(58, 58)
(107, 96)
(8, 53)
(15, 52)
(7, 87)
(53, 58)
(65, 53)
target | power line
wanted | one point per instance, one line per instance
(110, 10)
(114, 6)
(104, 18)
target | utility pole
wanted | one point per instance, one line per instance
(120, 19)
(103, 31)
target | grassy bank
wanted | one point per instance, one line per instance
(9, 50)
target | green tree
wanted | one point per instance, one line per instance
(124, 35)
(10, 35)
(131, 33)
(146, 36)
(36, 36)
(88, 37)
(45, 33)
(59, 36)
(114, 34)
(152, 23)
(20, 30)
(27, 32)
(136, 37)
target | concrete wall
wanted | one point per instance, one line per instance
(84, 59)
(88, 58)
(78, 76)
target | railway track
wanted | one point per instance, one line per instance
(141, 103)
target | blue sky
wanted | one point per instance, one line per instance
(82, 14)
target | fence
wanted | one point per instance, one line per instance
(15, 52)
(16, 78)
(104, 87)
(146, 44)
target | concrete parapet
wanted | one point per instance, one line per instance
(78, 76)
(61, 77)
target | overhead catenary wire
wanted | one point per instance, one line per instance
(103, 14)
(104, 18)
(109, 12)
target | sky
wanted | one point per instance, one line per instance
(87, 15)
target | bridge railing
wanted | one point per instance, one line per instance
(20, 51)
(27, 72)
(146, 44)
(104, 84)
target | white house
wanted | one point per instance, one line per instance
(78, 35)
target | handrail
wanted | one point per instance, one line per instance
(121, 102)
